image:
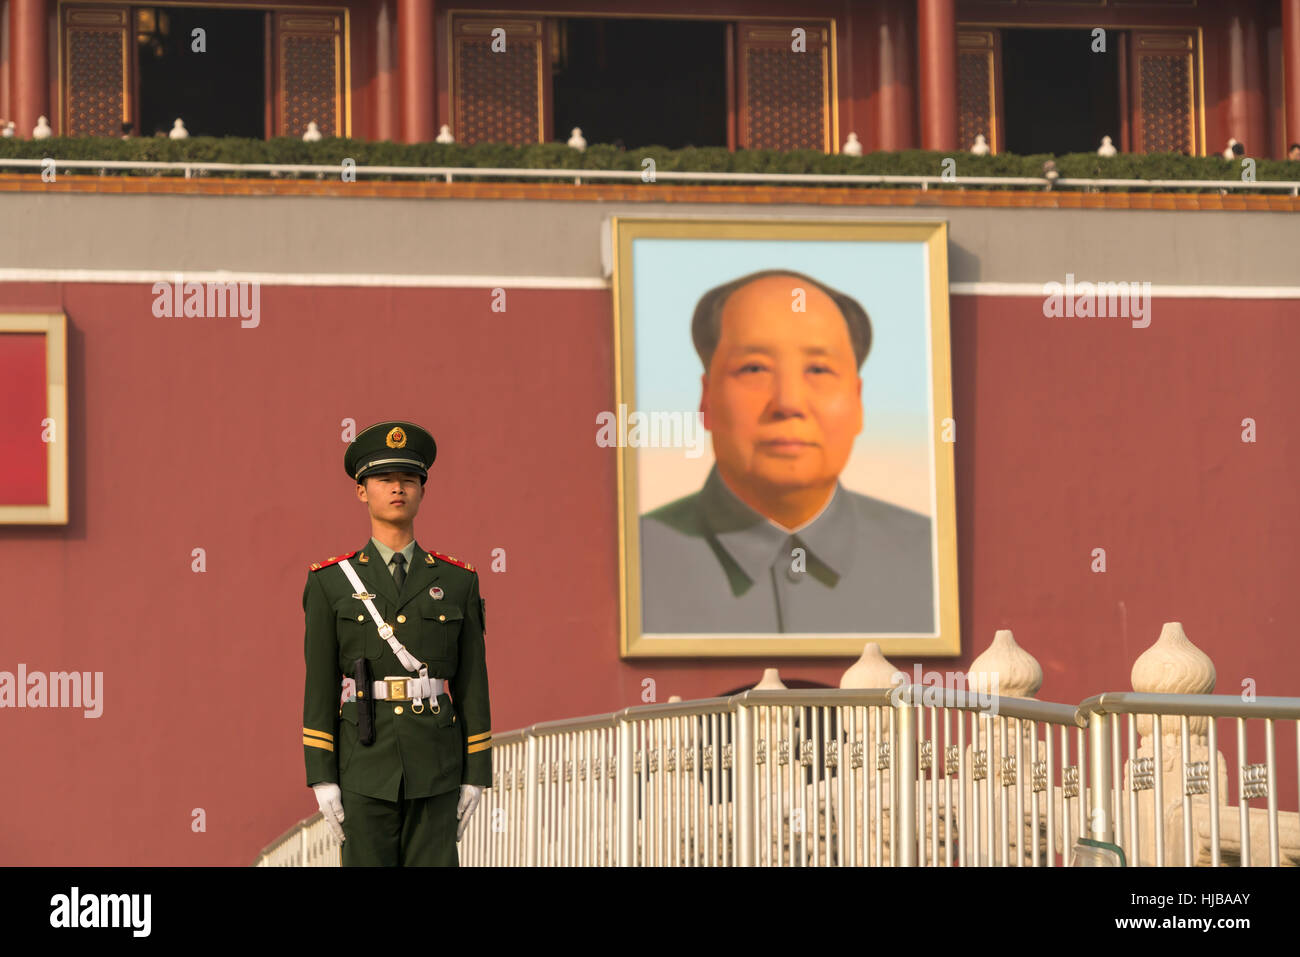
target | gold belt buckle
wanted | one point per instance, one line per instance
(398, 688)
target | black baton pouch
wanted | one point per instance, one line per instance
(365, 701)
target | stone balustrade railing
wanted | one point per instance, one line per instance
(1191, 828)
(774, 776)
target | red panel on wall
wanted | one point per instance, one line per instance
(23, 478)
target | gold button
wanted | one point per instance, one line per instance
(442, 617)
(361, 617)
(401, 619)
(397, 710)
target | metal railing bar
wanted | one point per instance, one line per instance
(449, 173)
(1210, 705)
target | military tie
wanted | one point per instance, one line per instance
(399, 573)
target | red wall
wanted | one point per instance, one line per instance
(1072, 434)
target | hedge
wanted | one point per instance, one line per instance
(331, 152)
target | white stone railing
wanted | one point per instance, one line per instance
(1195, 824)
(192, 169)
(826, 772)
(307, 844)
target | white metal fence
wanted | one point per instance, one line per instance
(829, 777)
(307, 844)
(1197, 826)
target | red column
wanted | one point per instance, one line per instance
(1125, 106)
(895, 79)
(852, 93)
(29, 92)
(729, 71)
(936, 28)
(1246, 120)
(1291, 72)
(415, 63)
(386, 126)
(4, 60)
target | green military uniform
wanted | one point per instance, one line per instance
(399, 794)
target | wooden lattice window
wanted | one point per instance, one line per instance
(1164, 92)
(979, 85)
(96, 70)
(497, 85)
(309, 80)
(784, 93)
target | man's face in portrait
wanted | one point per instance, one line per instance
(782, 396)
(394, 497)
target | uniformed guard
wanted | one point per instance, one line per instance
(390, 628)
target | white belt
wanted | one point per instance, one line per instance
(402, 689)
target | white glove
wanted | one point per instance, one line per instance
(330, 799)
(469, 798)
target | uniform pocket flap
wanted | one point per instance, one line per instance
(443, 614)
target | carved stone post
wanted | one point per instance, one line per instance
(871, 671)
(1173, 665)
(1006, 669)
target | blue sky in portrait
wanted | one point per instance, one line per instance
(891, 457)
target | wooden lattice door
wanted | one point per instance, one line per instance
(498, 89)
(979, 88)
(97, 69)
(309, 81)
(1164, 83)
(784, 86)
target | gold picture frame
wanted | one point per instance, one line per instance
(53, 326)
(931, 238)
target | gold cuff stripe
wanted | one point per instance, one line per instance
(479, 737)
(317, 743)
(481, 746)
(323, 735)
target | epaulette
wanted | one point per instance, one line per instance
(454, 561)
(317, 566)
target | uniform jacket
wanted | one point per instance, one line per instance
(432, 752)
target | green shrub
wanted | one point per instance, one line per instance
(602, 156)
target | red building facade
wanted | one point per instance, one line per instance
(188, 433)
(1073, 434)
(1182, 75)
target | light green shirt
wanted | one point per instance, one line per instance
(387, 554)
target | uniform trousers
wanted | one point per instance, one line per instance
(408, 832)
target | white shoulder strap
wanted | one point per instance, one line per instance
(386, 630)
